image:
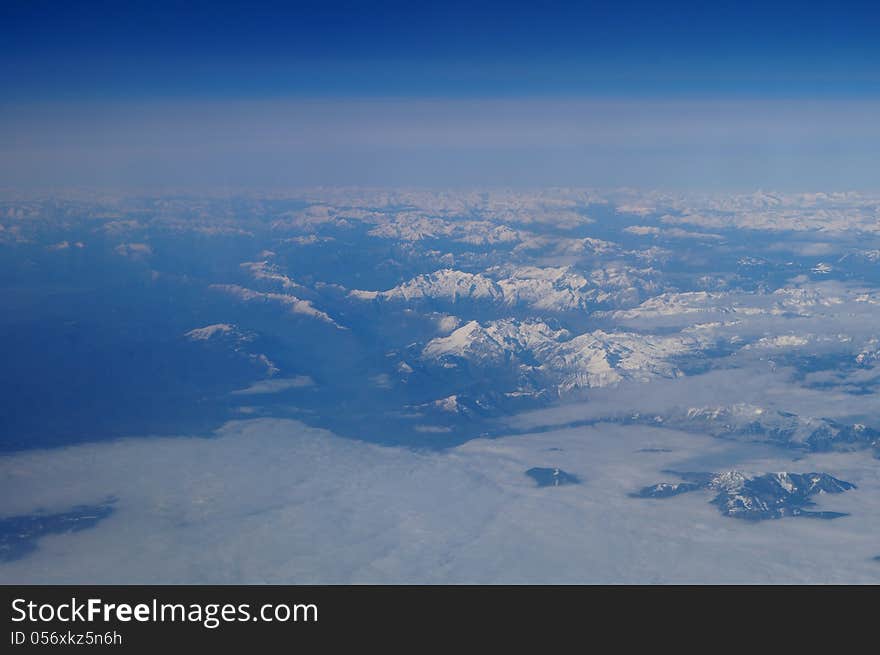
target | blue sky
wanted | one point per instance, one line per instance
(75, 76)
(230, 49)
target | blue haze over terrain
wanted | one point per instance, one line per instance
(439, 292)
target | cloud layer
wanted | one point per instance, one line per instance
(274, 501)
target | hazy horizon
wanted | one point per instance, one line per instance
(694, 97)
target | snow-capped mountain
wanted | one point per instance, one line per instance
(675, 304)
(803, 300)
(446, 284)
(748, 422)
(496, 342)
(469, 405)
(232, 338)
(218, 331)
(756, 497)
(294, 304)
(598, 358)
(593, 359)
(459, 404)
(554, 289)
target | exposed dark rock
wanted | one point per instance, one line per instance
(552, 477)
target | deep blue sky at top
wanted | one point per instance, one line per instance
(437, 49)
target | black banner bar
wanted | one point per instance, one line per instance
(203, 617)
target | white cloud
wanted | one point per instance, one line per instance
(274, 501)
(134, 250)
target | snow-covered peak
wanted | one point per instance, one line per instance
(294, 304)
(548, 288)
(218, 331)
(495, 342)
(593, 359)
(447, 284)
